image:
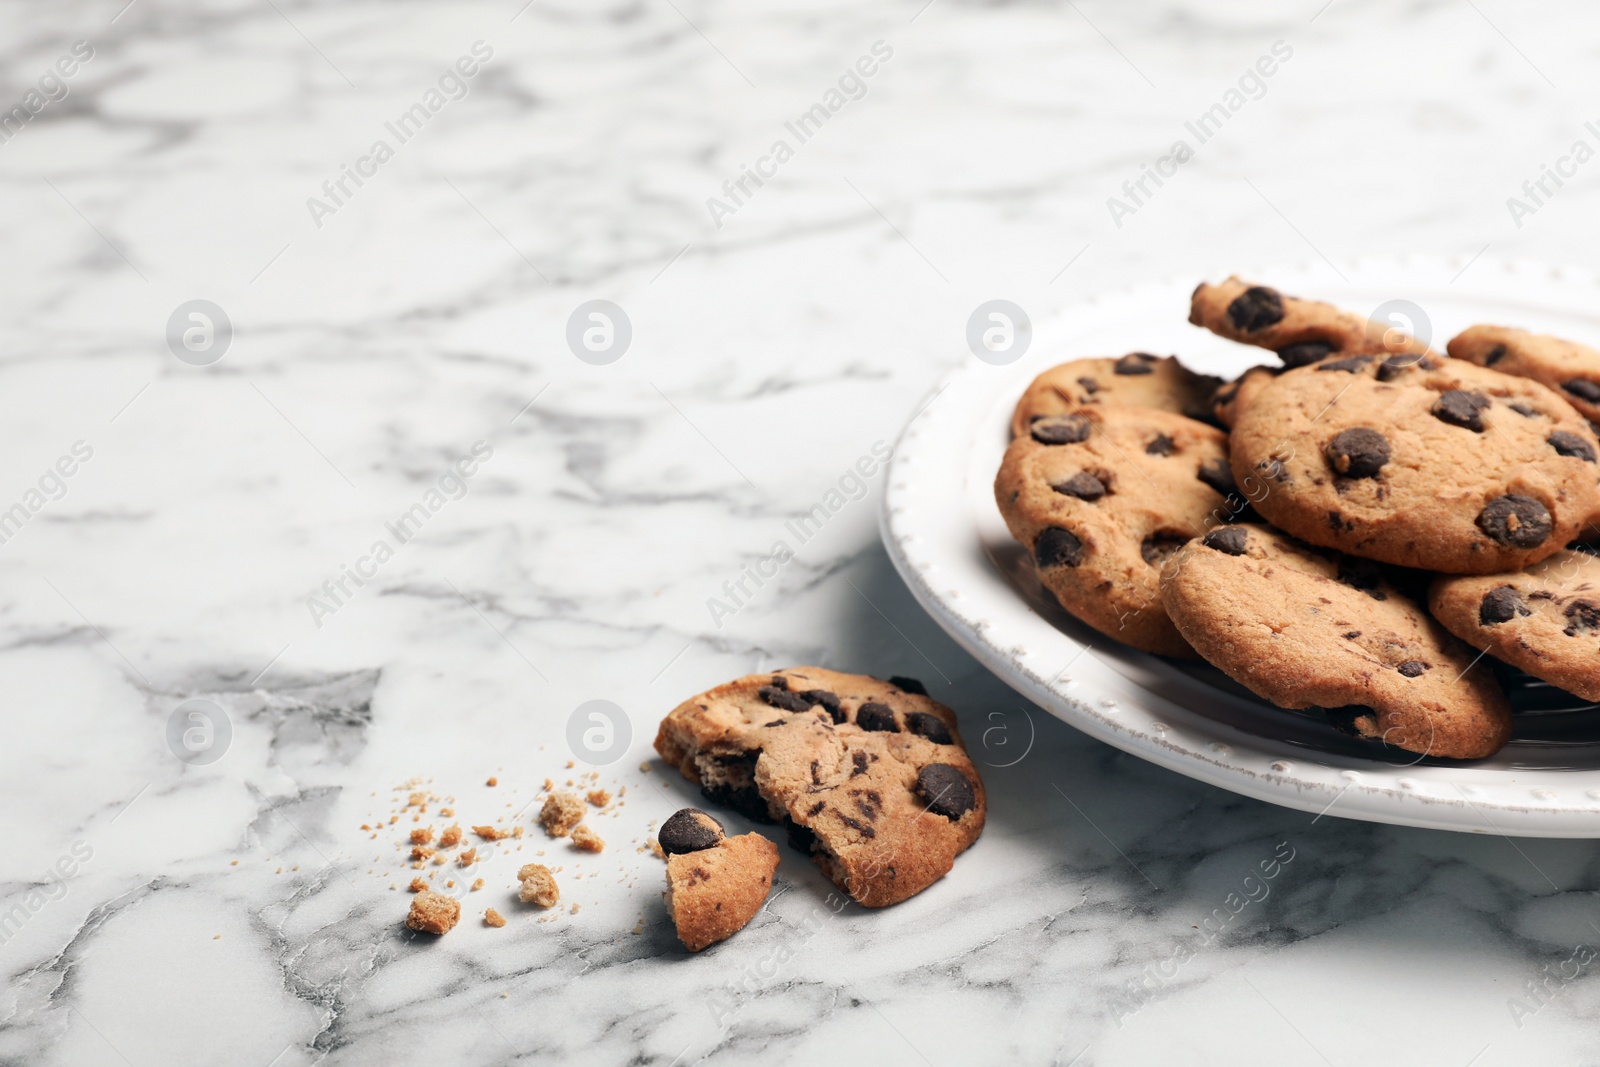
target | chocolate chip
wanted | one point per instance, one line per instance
(908, 685)
(1256, 308)
(1394, 366)
(1584, 616)
(801, 838)
(1349, 364)
(1459, 408)
(945, 790)
(1218, 475)
(1516, 520)
(689, 830)
(1089, 385)
(1060, 429)
(877, 717)
(925, 724)
(1570, 444)
(1351, 719)
(1160, 547)
(779, 682)
(782, 699)
(859, 762)
(1303, 353)
(1082, 485)
(1412, 668)
(1161, 446)
(829, 701)
(1522, 409)
(1362, 574)
(1583, 390)
(1501, 604)
(1229, 539)
(1358, 452)
(1134, 363)
(1351, 635)
(1057, 548)
(1494, 355)
(1276, 469)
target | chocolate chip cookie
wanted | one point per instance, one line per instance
(1431, 463)
(1233, 397)
(1309, 629)
(1300, 331)
(1571, 369)
(1136, 380)
(869, 778)
(1545, 619)
(1101, 497)
(715, 884)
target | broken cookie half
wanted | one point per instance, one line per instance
(715, 884)
(868, 777)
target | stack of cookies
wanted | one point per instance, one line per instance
(1351, 529)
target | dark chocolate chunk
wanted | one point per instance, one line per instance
(879, 717)
(1256, 308)
(1396, 365)
(1058, 548)
(1232, 540)
(1583, 617)
(1516, 520)
(1089, 385)
(1362, 574)
(1348, 720)
(1570, 444)
(779, 682)
(1349, 364)
(829, 701)
(1060, 429)
(1351, 635)
(1218, 475)
(782, 699)
(689, 830)
(859, 764)
(926, 724)
(1583, 389)
(1411, 668)
(1276, 469)
(801, 838)
(1303, 353)
(1161, 546)
(1522, 409)
(1161, 446)
(945, 790)
(1358, 452)
(908, 685)
(1082, 485)
(1501, 604)
(1460, 408)
(1494, 355)
(1134, 363)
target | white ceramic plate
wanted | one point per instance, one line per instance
(945, 536)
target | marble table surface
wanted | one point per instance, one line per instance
(374, 513)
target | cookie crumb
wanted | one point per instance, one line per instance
(433, 913)
(451, 837)
(587, 839)
(562, 811)
(488, 833)
(538, 885)
(421, 852)
(599, 797)
(469, 857)
(416, 800)
(492, 782)
(492, 917)
(477, 885)
(422, 836)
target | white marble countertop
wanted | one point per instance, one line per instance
(157, 911)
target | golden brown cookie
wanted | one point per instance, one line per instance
(869, 778)
(1431, 463)
(1308, 629)
(1101, 497)
(1545, 619)
(714, 891)
(1136, 380)
(1233, 397)
(1299, 331)
(1571, 369)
